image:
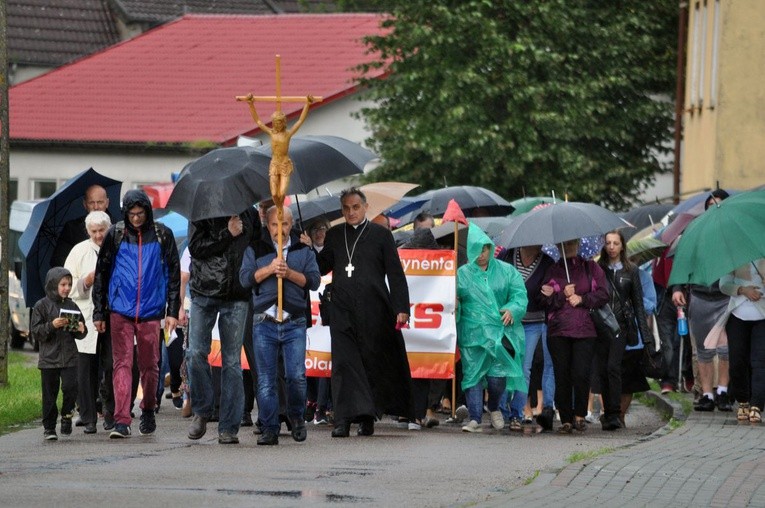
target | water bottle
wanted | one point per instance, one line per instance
(682, 322)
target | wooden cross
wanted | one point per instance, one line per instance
(278, 98)
(279, 199)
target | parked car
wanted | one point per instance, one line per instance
(21, 211)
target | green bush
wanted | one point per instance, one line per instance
(21, 400)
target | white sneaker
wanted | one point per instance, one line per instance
(414, 426)
(592, 417)
(461, 413)
(497, 420)
(472, 426)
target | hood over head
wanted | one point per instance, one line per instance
(476, 239)
(133, 198)
(52, 279)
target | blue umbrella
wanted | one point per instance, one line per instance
(48, 218)
(177, 223)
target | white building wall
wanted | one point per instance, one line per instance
(28, 165)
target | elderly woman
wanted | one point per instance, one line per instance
(81, 262)
(492, 302)
(572, 287)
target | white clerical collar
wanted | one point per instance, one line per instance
(359, 224)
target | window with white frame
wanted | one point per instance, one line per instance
(42, 189)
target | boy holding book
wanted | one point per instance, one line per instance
(56, 322)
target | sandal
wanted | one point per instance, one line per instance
(742, 414)
(580, 425)
(754, 415)
(566, 428)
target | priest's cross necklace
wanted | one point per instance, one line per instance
(350, 268)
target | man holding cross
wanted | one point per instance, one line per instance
(370, 370)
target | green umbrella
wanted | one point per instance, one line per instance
(641, 250)
(524, 205)
(721, 239)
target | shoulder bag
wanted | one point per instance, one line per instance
(605, 321)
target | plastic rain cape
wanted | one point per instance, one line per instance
(483, 340)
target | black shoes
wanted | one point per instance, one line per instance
(90, 428)
(610, 422)
(148, 423)
(366, 427)
(299, 432)
(341, 430)
(545, 418)
(704, 404)
(246, 420)
(50, 435)
(198, 427)
(66, 425)
(722, 400)
(268, 438)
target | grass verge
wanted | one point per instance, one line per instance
(577, 456)
(531, 478)
(20, 401)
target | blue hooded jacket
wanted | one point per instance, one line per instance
(138, 273)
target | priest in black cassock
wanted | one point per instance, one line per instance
(370, 370)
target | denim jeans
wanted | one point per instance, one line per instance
(231, 316)
(534, 333)
(268, 338)
(474, 396)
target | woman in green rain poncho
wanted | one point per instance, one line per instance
(492, 301)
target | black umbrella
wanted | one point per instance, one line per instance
(472, 200)
(320, 159)
(644, 216)
(48, 218)
(221, 183)
(328, 206)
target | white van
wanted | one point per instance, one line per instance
(21, 212)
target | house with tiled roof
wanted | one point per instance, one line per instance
(140, 110)
(45, 34)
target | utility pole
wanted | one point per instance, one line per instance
(4, 205)
(679, 98)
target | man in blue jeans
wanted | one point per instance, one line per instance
(261, 270)
(217, 247)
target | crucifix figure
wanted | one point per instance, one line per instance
(280, 168)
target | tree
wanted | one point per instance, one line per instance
(538, 95)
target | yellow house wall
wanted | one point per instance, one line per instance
(724, 139)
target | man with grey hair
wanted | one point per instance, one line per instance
(277, 337)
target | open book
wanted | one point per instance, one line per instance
(72, 318)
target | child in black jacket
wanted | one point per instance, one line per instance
(56, 322)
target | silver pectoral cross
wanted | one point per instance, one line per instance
(349, 269)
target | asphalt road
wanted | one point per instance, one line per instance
(395, 467)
